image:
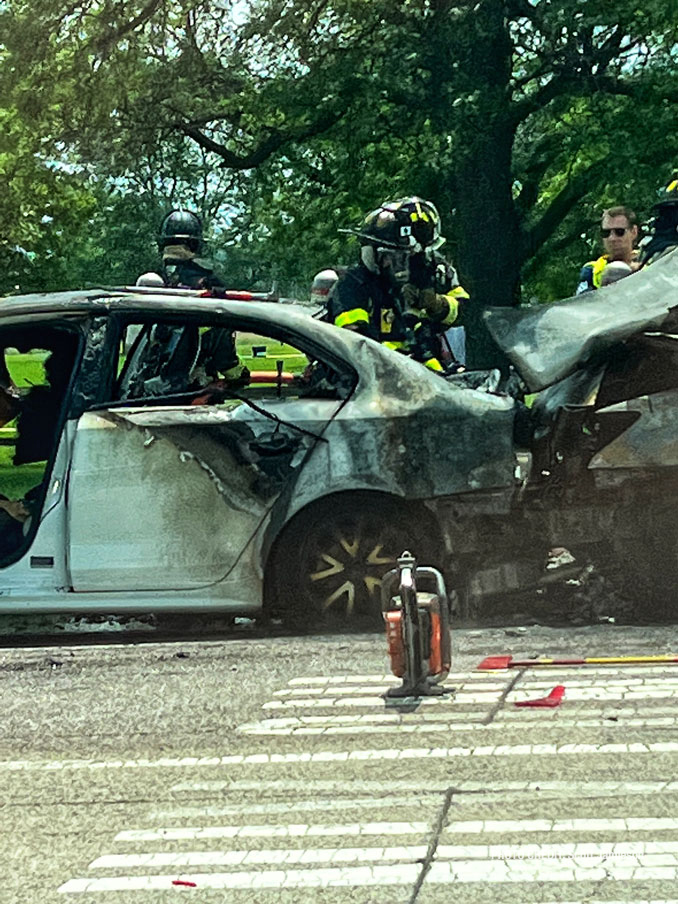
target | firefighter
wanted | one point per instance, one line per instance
(619, 232)
(664, 228)
(180, 243)
(394, 294)
(192, 360)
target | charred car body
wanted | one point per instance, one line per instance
(151, 494)
(604, 444)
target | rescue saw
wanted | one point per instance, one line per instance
(417, 628)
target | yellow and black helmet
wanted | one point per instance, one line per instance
(410, 224)
(669, 193)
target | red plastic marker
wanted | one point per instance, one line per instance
(553, 699)
(184, 882)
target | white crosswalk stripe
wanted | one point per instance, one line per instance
(341, 705)
(509, 791)
(325, 830)
(463, 863)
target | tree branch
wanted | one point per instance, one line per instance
(558, 86)
(557, 210)
(104, 44)
(634, 90)
(268, 146)
(198, 122)
(576, 77)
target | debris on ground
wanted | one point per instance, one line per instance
(554, 698)
(559, 557)
(15, 625)
(515, 632)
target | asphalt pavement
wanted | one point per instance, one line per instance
(260, 768)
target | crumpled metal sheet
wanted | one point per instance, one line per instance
(548, 343)
(409, 433)
(651, 442)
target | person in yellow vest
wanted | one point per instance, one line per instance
(619, 231)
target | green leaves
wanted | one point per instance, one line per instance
(283, 120)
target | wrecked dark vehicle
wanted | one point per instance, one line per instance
(150, 488)
(604, 439)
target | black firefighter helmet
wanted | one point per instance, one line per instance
(663, 230)
(181, 227)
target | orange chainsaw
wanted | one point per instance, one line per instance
(417, 628)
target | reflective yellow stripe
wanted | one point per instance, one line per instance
(386, 321)
(419, 214)
(348, 318)
(459, 292)
(434, 364)
(394, 346)
(672, 186)
(453, 311)
(598, 267)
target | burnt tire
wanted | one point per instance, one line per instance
(329, 563)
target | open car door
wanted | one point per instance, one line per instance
(167, 496)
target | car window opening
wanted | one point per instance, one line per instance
(36, 366)
(164, 362)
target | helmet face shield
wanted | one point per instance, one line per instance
(394, 260)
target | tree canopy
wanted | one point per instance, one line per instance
(283, 120)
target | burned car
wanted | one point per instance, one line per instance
(136, 487)
(131, 488)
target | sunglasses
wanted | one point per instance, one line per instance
(618, 231)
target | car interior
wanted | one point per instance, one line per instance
(199, 363)
(36, 367)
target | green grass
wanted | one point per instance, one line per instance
(15, 480)
(26, 369)
(296, 364)
(293, 361)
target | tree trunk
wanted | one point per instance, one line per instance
(488, 231)
(488, 239)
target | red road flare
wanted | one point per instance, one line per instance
(184, 882)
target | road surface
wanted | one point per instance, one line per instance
(272, 769)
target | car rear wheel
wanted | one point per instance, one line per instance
(329, 564)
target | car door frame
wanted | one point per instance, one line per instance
(120, 320)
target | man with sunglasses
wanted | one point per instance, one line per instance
(619, 232)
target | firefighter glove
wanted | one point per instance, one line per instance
(411, 296)
(435, 305)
